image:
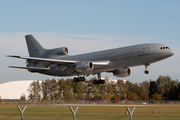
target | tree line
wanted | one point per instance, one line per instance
(164, 88)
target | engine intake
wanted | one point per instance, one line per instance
(124, 72)
(84, 66)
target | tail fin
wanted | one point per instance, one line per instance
(34, 47)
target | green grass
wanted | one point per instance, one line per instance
(56, 112)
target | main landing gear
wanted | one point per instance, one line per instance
(99, 81)
(146, 71)
(77, 79)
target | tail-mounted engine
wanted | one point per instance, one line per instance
(84, 66)
(59, 51)
(124, 72)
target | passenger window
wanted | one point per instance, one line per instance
(161, 48)
(164, 47)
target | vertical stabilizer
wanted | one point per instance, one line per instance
(34, 47)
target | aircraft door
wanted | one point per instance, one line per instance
(146, 50)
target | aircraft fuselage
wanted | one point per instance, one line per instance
(131, 56)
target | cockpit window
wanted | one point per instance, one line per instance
(164, 48)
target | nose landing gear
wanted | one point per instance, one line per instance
(146, 71)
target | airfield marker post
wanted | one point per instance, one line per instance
(74, 112)
(21, 111)
(130, 112)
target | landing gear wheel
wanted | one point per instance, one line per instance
(78, 79)
(146, 72)
(75, 79)
(146, 66)
(96, 82)
(101, 81)
(81, 78)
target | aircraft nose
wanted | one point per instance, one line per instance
(171, 53)
(167, 54)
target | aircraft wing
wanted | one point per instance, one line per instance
(54, 61)
(29, 68)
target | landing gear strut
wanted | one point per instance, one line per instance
(99, 81)
(146, 71)
(78, 79)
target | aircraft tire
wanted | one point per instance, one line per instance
(77, 80)
(102, 81)
(74, 79)
(146, 72)
(96, 82)
(81, 78)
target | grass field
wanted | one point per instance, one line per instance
(57, 112)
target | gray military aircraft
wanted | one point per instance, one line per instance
(57, 62)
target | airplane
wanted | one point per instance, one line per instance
(57, 62)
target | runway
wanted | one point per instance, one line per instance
(115, 105)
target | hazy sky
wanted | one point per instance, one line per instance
(84, 26)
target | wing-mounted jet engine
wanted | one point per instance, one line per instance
(124, 72)
(84, 66)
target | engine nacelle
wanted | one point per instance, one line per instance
(59, 51)
(124, 72)
(84, 66)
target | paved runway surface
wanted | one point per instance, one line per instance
(113, 105)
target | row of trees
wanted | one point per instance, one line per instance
(164, 88)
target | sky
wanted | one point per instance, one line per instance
(87, 26)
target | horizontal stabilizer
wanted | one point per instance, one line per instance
(29, 68)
